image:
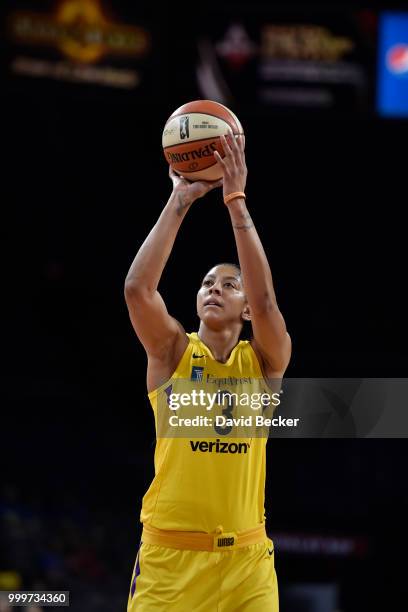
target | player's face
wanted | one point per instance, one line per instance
(221, 298)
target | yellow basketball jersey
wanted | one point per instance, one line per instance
(200, 484)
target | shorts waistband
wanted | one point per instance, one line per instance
(211, 542)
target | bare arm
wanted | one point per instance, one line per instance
(155, 328)
(270, 335)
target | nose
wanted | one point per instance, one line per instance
(215, 288)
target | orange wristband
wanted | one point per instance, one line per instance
(232, 196)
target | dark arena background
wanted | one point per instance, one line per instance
(322, 93)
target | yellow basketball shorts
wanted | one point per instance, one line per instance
(173, 580)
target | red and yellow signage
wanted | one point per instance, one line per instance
(81, 30)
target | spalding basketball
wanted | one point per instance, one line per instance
(192, 134)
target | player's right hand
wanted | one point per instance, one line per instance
(191, 191)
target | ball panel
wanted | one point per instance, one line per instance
(213, 173)
(191, 127)
(193, 156)
(208, 107)
(240, 128)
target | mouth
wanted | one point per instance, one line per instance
(212, 303)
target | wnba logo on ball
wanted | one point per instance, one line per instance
(184, 128)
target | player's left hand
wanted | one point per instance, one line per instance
(233, 163)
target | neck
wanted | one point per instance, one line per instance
(220, 342)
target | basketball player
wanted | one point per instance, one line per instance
(204, 545)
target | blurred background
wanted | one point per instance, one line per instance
(322, 93)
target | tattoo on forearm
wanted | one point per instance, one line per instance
(247, 223)
(181, 204)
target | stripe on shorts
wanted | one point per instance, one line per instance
(137, 572)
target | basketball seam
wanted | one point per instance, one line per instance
(178, 144)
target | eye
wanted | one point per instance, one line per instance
(228, 284)
(206, 283)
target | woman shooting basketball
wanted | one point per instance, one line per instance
(204, 546)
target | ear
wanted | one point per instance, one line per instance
(246, 313)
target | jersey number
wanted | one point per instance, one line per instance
(227, 413)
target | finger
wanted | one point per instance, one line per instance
(226, 146)
(176, 177)
(241, 142)
(219, 159)
(232, 139)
